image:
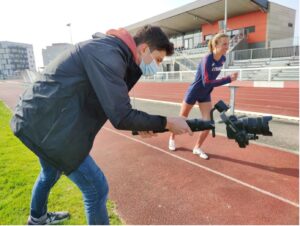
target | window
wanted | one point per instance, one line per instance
(290, 24)
(179, 42)
(249, 29)
(221, 24)
(197, 38)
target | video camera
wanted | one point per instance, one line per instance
(240, 129)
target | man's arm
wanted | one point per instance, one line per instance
(106, 69)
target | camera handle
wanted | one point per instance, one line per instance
(224, 119)
(221, 107)
(194, 124)
(213, 130)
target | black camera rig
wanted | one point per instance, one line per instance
(240, 129)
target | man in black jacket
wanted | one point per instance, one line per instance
(59, 116)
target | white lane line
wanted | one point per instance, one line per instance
(207, 169)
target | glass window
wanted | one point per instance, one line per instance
(191, 43)
(179, 42)
(249, 29)
(197, 40)
(186, 43)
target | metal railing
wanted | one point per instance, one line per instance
(249, 54)
(290, 73)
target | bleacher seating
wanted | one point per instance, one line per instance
(188, 59)
(260, 66)
(255, 69)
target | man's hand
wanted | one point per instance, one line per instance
(147, 134)
(178, 125)
(234, 76)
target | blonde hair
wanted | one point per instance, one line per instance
(214, 41)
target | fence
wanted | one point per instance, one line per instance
(255, 74)
(265, 53)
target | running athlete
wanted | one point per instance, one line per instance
(204, 83)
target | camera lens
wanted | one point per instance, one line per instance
(258, 125)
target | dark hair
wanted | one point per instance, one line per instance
(155, 38)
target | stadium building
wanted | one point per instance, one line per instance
(261, 32)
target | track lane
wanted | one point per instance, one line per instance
(152, 187)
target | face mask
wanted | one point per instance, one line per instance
(149, 69)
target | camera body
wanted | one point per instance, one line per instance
(242, 129)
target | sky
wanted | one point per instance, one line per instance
(43, 22)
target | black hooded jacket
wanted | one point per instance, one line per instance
(59, 116)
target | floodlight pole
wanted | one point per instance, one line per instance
(225, 17)
(70, 27)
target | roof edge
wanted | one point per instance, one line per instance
(173, 12)
(263, 4)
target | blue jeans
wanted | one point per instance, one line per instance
(89, 179)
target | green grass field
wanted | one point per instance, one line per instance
(19, 168)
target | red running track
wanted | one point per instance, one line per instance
(280, 101)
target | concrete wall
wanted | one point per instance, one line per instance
(278, 21)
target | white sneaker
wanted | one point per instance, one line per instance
(200, 152)
(172, 146)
